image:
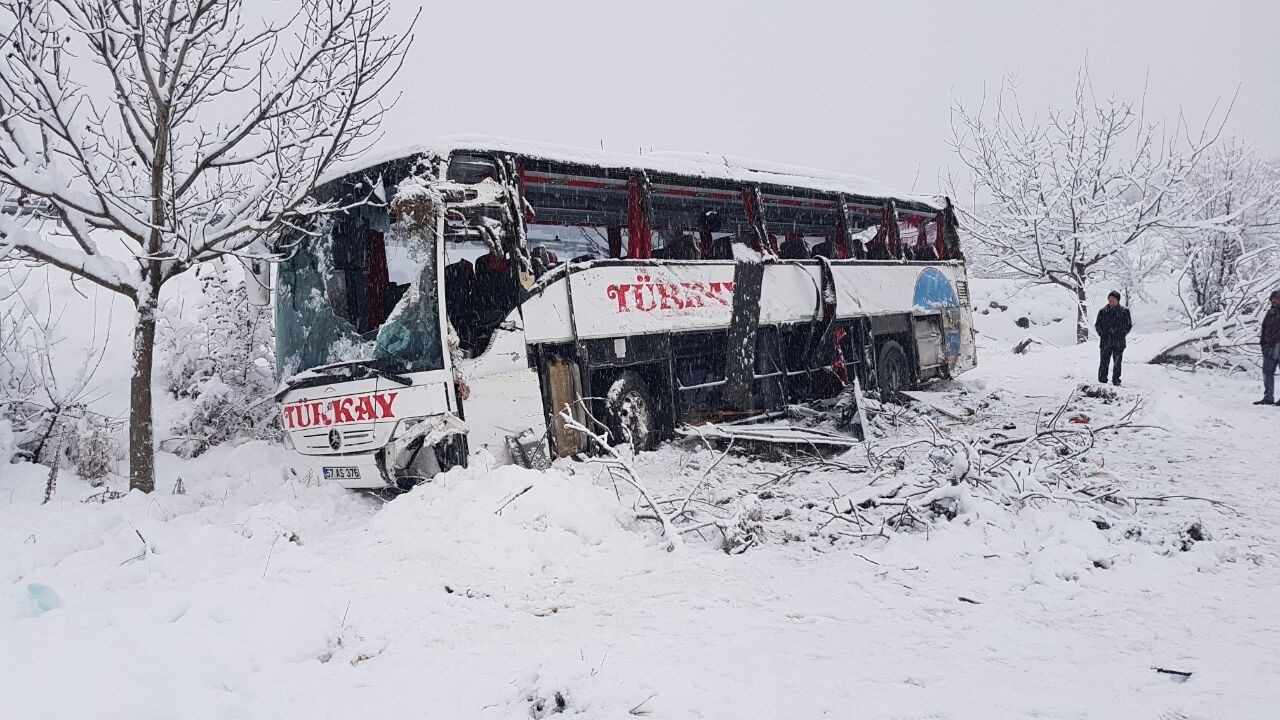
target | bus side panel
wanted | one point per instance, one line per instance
(616, 300)
(620, 301)
(546, 315)
(874, 289)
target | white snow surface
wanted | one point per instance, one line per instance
(489, 591)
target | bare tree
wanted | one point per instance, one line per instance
(1219, 262)
(1055, 199)
(165, 133)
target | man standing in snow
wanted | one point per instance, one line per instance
(1270, 351)
(1112, 326)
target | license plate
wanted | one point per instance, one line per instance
(341, 473)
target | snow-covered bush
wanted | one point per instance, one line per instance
(743, 529)
(217, 359)
(92, 446)
(19, 413)
(43, 402)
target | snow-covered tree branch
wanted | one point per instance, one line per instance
(1225, 273)
(165, 133)
(1229, 269)
(1055, 198)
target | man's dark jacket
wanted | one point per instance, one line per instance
(1112, 326)
(1271, 328)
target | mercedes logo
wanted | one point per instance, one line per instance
(335, 439)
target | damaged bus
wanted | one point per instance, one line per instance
(474, 290)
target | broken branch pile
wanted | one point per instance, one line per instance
(952, 472)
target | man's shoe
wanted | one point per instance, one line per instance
(1266, 402)
(1116, 383)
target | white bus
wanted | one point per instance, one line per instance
(476, 288)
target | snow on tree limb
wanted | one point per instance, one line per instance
(103, 107)
(1057, 198)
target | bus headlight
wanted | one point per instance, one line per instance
(404, 427)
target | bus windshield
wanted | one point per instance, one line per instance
(360, 289)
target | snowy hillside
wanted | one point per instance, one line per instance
(509, 593)
(294, 425)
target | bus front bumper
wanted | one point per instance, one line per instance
(356, 472)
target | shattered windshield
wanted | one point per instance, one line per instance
(361, 288)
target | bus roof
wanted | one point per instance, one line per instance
(704, 165)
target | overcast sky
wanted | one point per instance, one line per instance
(856, 87)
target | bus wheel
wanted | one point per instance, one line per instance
(892, 373)
(631, 413)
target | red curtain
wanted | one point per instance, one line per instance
(639, 242)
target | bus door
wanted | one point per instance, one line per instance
(503, 399)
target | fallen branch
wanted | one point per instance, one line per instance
(1165, 498)
(620, 467)
(140, 555)
(511, 500)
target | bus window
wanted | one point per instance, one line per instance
(575, 214)
(552, 244)
(793, 247)
(916, 233)
(348, 293)
(805, 222)
(696, 223)
(471, 169)
(480, 292)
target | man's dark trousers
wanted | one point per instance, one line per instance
(1110, 356)
(1270, 362)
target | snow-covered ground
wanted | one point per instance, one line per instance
(507, 593)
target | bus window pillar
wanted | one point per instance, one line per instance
(844, 239)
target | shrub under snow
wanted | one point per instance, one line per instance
(217, 358)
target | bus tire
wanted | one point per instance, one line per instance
(632, 417)
(892, 372)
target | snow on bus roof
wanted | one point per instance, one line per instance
(706, 165)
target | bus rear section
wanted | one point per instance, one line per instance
(494, 287)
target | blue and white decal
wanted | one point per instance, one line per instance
(935, 292)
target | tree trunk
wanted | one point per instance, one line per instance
(744, 322)
(1082, 315)
(142, 459)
